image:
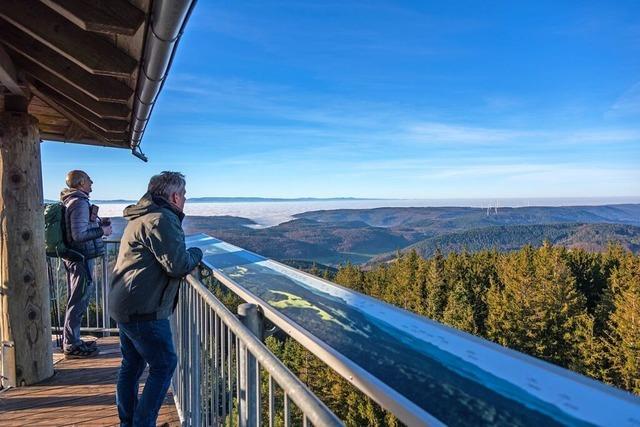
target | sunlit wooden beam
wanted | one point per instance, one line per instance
(114, 139)
(100, 88)
(8, 74)
(90, 51)
(106, 125)
(104, 110)
(104, 16)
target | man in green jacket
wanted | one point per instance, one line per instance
(143, 293)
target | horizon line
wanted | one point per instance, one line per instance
(209, 199)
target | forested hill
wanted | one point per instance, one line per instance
(460, 218)
(592, 237)
(337, 236)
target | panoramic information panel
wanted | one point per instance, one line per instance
(456, 377)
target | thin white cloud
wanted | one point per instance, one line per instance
(337, 113)
(628, 103)
(436, 133)
(444, 132)
(491, 170)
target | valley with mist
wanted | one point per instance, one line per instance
(370, 236)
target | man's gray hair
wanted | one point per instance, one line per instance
(166, 183)
(75, 178)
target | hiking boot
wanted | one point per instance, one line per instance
(89, 344)
(80, 351)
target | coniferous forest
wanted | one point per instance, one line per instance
(574, 308)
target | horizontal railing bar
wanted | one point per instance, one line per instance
(88, 329)
(316, 411)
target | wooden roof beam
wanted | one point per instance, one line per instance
(100, 88)
(52, 120)
(115, 139)
(44, 127)
(74, 132)
(104, 16)
(90, 51)
(106, 125)
(86, 139)
(104, 110)
(8, 74)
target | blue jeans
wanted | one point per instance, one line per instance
(79, 286)
(145, 342)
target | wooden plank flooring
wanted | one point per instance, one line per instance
(82, 392)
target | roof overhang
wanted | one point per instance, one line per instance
(90, 70)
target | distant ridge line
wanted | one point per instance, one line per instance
(276, 199)
(244, 199)
(455, 202)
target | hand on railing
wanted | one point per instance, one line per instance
(200, 272)
(196, 272)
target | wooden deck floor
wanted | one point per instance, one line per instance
(82, 392)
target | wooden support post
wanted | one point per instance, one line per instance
(25, 321)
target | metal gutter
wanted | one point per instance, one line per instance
(166, 25)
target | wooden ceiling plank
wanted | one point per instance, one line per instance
(49, 136)
(86, 139)
(105, 110)
(36, 109)
(107, 125)
(41, 108)
(45, 119)
(45, 127)
(103, 138)
(104, 16)
(91, 51)
(8, 74)
(100, 88)
(74, 132)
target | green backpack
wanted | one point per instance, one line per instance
(54, 230)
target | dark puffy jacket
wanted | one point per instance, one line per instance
(151, 262)
(83, 235)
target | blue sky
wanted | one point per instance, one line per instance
(406, 99)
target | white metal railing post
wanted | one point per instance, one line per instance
(249, 315)
(232, 340)
(196, 371)
(100, 294)
(106, 322)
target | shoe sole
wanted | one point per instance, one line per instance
(78, 356)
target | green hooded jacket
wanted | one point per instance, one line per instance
(151, 262)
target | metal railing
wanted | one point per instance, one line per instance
(222, 364)
(96, 320)
(223, 367)
(457, 367)
(227, 377)
(408, 412)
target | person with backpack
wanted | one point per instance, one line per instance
(84, 233)
(143, 293)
